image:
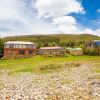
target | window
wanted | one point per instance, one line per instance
(17, 46)
(30, 51)
(20, 46)
(30, 46)
(24, 46)
(22, 52)
(11, 46)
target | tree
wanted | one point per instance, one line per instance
(1, 45)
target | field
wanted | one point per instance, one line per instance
(34, 64)
(50, 78)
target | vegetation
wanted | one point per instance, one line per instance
(39, 64)
(1, 46)
(58, 39)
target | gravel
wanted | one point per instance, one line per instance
(76, 83)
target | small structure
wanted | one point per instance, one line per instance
(52, 51)
(19, 49)
(76, 51)
(94, 46)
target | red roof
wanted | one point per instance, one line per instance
(51, 48)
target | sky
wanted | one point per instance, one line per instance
(33, 17)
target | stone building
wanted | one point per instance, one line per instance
(94, 46)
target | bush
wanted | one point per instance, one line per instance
(93, 53)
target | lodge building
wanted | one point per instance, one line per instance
(19, 49)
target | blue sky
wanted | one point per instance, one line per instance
(25, 17)
(91, 18)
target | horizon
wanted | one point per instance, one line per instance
(45, 35)
(45, 17)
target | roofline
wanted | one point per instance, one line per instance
(18, 42)
(51, 48)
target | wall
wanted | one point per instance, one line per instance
(9, 52)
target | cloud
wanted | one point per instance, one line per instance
(69, 25)
(18, 17)
(7, 10)
(64, 20)
(65, 24)
(24, 17)
(90, 31)
(98, 10)
(56, 8)
(97, 32)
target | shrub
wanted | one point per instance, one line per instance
(93, 53)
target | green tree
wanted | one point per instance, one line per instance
(1, 45)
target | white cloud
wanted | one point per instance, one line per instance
(66, 24)
(19, 18)
(56, 8)
(98, 10)
(8, 10)
(97, 32)
(88, 31)
(69, 25)
(64, 20)
(67, 29)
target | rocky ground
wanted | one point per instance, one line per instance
(75, 83)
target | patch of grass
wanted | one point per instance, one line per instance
(97, 70)
(98, 77)
(47, 68)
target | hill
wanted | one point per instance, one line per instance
(56, 39)
(62, 37)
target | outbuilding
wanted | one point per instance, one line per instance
(76, 51)
(19, 49)
(52, 51)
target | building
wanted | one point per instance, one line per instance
(52, 51)
(76, 51)
(94, 46)
(19, 49)
(68, 49)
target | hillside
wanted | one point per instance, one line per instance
(62, 37)
(57, 39)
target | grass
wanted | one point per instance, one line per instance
(42, 64)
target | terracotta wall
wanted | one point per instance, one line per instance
(15, 52)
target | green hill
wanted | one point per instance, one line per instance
(62, 37)
(57, 39)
